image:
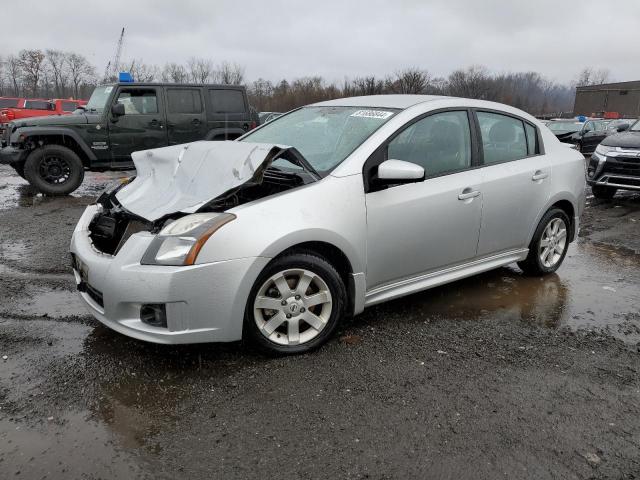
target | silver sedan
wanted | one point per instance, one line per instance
(324, 211)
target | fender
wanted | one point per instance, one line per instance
(54, 131)
(558, 197)
(224, 132)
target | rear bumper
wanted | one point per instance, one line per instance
(204, 302)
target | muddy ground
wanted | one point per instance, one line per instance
(497, 376)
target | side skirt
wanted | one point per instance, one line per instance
(434, 279)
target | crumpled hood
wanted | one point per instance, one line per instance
(182, 178)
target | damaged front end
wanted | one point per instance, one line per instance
(204, 178)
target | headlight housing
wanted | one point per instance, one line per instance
(602, 150)
(179, 242)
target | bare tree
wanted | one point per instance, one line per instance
(32, 63)
(57, 63)
(200, 70)
(230, 74)
(591, 76)
(474, 82)
(14, 73)
(369, 85)
(143, 72)
(410, 80)
(174, 73)
(80, 71)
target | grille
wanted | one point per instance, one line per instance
(622, 165)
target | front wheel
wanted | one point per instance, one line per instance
(549, 244)
(295, 304)
(54, 170)
(602, 192)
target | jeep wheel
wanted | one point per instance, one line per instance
(54, 170)
(602, 192)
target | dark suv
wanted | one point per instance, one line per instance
(52, 153)
(615, 164)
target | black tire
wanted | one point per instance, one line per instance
(304, 261)
(602, 192)
(533, 265)
(54, 170)
(19, 168)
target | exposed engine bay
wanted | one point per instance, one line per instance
(110, 229)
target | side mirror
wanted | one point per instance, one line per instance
(399, 171)
(117, 109)
(623, 128)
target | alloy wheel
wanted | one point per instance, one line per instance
(553, 243)
(292, 307)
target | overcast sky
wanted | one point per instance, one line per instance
(275, 39)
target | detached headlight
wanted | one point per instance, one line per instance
(602, 150)
(180, 242)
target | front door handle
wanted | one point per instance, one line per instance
(468, 193)
(195, 121)
(539, 175)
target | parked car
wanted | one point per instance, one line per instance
(29, 107)
(52, 153)
(585, 136)
(331, 208)
(615, 164)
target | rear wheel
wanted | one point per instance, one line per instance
(602, 192)
(549, 244)
(295, 304)
(54, 170)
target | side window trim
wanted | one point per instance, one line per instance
(539, 144)
(380, 153)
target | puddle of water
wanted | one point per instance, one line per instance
(68, 447)
(16, 191)
(595, 288)
(49, 302)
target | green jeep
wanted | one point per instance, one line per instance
(53, 152)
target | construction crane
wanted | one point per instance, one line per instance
(111, 71)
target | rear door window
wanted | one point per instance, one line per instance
(184, 100)
(227, 101)
(38, 105)
(503, 137)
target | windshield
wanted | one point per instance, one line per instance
(99, 98)
(635, 127)
(564, 126)
(325, 136)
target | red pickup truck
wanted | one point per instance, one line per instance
(16, 108)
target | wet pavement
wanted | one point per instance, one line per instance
(495, 376)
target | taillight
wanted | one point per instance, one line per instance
(252, 125)
(9, 114)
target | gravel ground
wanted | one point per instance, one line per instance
(496, 376)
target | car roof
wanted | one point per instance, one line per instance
(401, 101)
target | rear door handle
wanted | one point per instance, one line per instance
(468, 193)
(539, 175)
(195, 121)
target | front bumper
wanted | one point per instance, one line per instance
(617, 170)
(204, 302)
(10, 155)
